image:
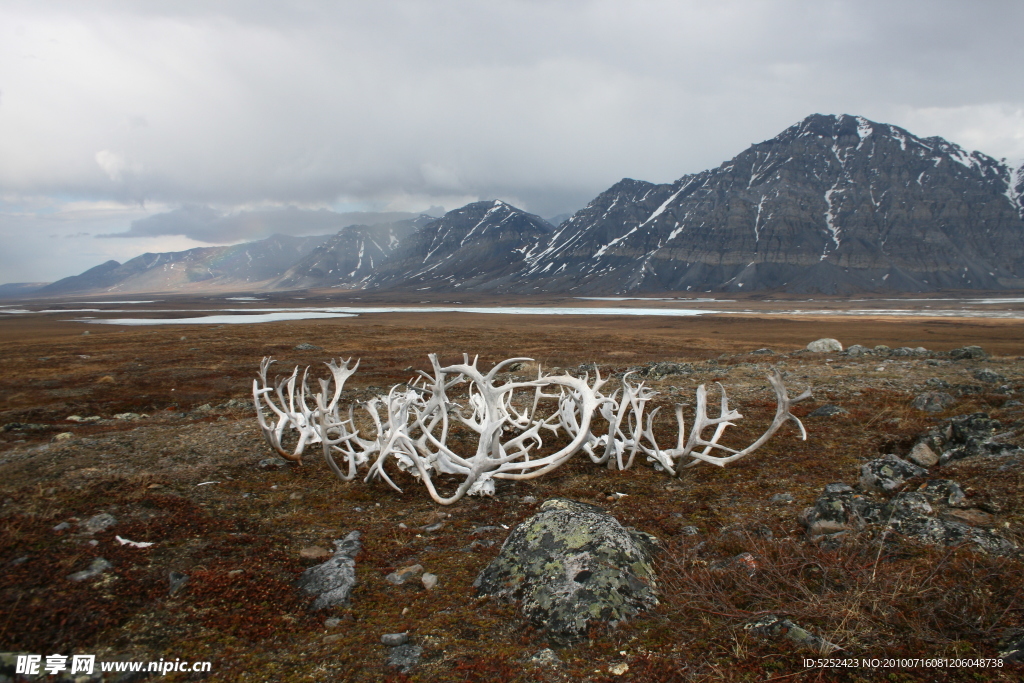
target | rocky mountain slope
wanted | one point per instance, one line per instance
(483, 244)
(833, 204)
(241, 265)
(350, 257)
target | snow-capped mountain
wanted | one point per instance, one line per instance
(350, 257)
(482, 244)
(832, 204)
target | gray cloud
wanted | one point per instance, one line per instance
(205, 224)
(395, 105)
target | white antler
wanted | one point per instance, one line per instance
(419, 419)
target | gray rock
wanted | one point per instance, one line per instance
(827, 410)
(937, 383)
(689, 531)
(988, 376)
(332, 582)
(62, 526)
(177, 581)
(933, 401)
(967, 352)
(825, 345)
(97, 567)
(529, 500)
(666, 368)
(887, 473)
(306, 346)
(911, 516)
(429, 580)
(274, 463)
(572, 564)
(546, 657)
(763, 352)
(782, 498)
(405, 657)
(882, 350)
(395, 639)
(857, 350)
(1011, 649)
(98, 523)
(840, 510)
(921, 454)
(771, 626)
(943, 491)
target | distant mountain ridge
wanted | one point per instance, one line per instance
(833, 204)
(238, 266)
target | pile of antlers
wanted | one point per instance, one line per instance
(413, 425)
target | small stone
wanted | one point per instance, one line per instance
(395, 639)
(106, 379)
(314, 552)
(235, 572)
(827, 410)
(98, 523)
(774, 627)
(529, 500)
(271, 463)
(333, 622)
(922, 455)
(782, 498)
(429, 580)
(97, 567)
(400, 576)
(763, 352)
(295, 496)
(546, 657)
(306, 346)
(838, 487)
(63, 436)
(825, 345)
(62, 526)
(933, 401)
(405, 657)
(618, 669)
(127, 416)
(882, 350)
(177, 581)
(433, 527)
(689, 531)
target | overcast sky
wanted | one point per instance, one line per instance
(114, 112)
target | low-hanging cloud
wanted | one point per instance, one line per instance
(206, 224)
(394, 105)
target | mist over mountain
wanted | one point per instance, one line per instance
(833, 204)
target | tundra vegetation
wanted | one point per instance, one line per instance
(244, 541)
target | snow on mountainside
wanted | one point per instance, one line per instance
(832, 204)
(350, 257)
(482, 243)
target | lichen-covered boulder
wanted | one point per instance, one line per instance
(840, 509)
(887, 473)
(572, 564)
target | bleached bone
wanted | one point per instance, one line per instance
(411, 426)
(294, 411)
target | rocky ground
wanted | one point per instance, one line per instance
(761, 565)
